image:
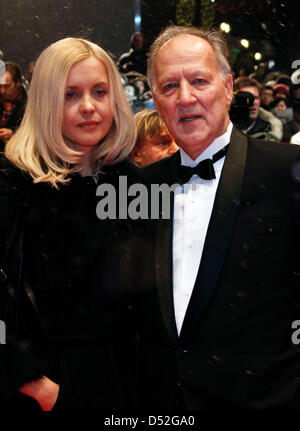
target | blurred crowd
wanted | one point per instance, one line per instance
(266, 108)
(274, 111)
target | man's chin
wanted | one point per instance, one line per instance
(253, 116)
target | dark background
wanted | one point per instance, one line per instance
(271, 26)
(29, 26)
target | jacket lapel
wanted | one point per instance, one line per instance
(164, 255)
(220, 229)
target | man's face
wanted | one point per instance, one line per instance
(138, 42)
(266, 96)
(190, 94)
(254, 110)
(10, 88)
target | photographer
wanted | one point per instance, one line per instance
(240, 110)
(261, 123)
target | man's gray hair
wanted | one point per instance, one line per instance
(213, 37)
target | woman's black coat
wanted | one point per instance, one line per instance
(79, 270)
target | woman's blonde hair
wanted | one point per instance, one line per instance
(38, 146)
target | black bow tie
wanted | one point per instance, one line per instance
(204, 169)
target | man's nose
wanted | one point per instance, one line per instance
(257, 101)
(186, 94)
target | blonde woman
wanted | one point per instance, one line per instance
(69, 311)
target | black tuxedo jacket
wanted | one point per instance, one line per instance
(235, 348)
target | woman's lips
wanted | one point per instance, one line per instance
(88, 125)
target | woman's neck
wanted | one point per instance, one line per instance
(85, 165)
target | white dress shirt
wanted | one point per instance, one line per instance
(193, 203)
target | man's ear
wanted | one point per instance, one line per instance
(155, 101)
(229, 88)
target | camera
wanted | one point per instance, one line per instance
(239, 109)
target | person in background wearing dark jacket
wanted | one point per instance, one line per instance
(13, 98)
(135, 59)
(72, 314)
(264, 125)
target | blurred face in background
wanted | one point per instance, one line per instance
(266, 96)
(281, 106)
(138, 42)
(11, 88)
(152, 149)
(254, 110)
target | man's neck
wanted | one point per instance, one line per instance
(209, 151)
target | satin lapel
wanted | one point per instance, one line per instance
(220, 229)
(164, 257)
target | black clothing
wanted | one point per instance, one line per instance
(133, 60)
(259, 128)
(289, 129)
(234, 350)
(78, 268)
(266, 107)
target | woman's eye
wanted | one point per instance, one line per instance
(69, 95)
(100, 92)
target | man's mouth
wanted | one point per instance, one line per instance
(190, 118)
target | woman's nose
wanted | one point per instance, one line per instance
(87, 105)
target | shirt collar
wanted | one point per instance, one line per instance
(214, 147)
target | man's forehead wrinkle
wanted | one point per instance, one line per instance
(179, 72)
(181, 60)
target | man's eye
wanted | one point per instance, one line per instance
(169, 86)
(198, 81)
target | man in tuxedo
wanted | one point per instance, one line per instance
(220, 279)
